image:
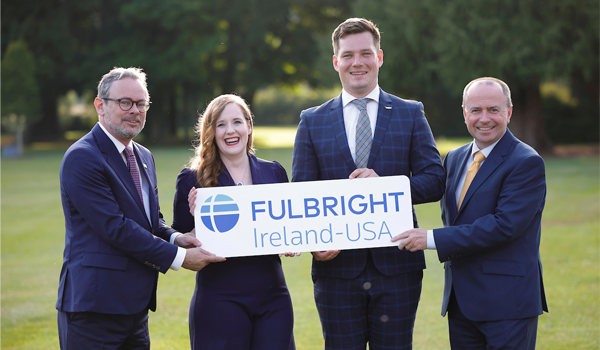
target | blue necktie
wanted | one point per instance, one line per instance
(363, 134)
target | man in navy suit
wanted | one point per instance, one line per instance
(116, 240)
(490, 242)
(367, 295)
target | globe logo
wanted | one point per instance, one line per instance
(221, 214)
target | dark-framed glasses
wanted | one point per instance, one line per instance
(127, 103)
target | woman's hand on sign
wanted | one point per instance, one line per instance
(325, 255)
(192, 200)
(290, 255)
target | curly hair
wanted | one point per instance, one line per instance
(207, 162)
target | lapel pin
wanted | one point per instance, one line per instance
(145, 166)
(388, 107)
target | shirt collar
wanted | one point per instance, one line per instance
(118, 144)
(486, 151)
(347, 97)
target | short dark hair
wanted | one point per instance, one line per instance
(489, 81)
(355, 26)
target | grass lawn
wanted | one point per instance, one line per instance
(32, 241)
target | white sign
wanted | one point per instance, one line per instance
(303, 216)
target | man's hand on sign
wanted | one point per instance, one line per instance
(362, 173)
(412, 240)
(325, 255)
(188, 240)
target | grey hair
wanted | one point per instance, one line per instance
(119, 73)
(489, 81)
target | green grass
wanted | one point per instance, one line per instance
(33, 239)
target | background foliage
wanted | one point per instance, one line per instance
(194, 50)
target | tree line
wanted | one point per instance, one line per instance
(194, 50)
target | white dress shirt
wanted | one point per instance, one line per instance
(351, 113)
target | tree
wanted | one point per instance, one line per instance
(20, 92)
(437, 46)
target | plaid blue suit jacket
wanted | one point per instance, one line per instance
(402, 145)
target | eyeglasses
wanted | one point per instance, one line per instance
(127, 103)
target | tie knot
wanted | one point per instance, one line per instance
(128, 152)
(361, 103)
(479, 157)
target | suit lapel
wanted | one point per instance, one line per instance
(494, 160)
(116, 162)
(456, 168)
(384, 114)
(336, 117)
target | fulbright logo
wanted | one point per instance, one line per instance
(221, 214)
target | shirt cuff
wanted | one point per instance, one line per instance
(430, 240)
(179, 258)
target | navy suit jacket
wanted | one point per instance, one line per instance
(402, 145)
(491, 245)
(113, 252)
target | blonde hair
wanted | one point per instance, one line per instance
(207, 161)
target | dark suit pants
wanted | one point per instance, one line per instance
(371, 308)
(519, 334)
(91, 330)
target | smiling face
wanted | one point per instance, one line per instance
(232, 131)
(486, 113)
(357, 62)
(123, 125)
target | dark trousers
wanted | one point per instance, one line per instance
(91, 330)
(371, 308)
(519, 334)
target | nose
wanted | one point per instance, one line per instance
(356, 61)
(136, 110)
(485, 117)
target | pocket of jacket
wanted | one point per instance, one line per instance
(113, 262)
(495, 267)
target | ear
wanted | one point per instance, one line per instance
(249, 128)
(99, 104)
(508, 115)
(335, 63)
(380, 57)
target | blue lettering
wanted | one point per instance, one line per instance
(330, 235)
(275, 239)
(329, 206)
(292, 216)
(282, 211)
(396, 194)
(262, 238)
(297, 239)
(373, 204)
(254, 210)
(387, 230)
(363, 206)
(343, 205)
(366, 229)
(348, 233)
(309, 231)
(314, 207)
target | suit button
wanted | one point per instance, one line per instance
(158, 267)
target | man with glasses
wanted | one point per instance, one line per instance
(116, 240)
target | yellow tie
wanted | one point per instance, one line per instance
(479, 157)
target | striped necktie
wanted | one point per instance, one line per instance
(364, 139)
(133, 170)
